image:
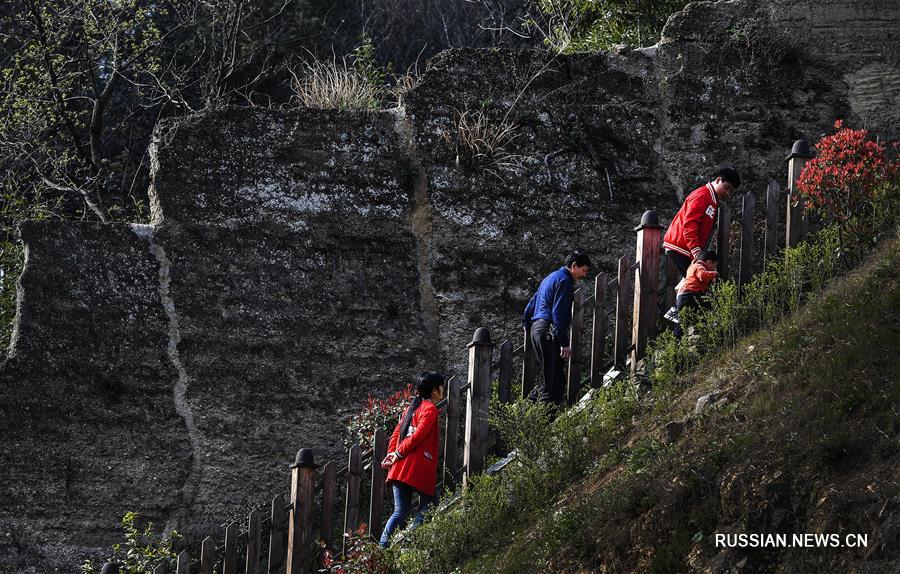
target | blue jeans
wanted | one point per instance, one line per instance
(402, 504)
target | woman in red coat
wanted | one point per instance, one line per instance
(412, 454)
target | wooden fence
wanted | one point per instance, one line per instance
(285, 540)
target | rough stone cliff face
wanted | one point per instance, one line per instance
(298, 260)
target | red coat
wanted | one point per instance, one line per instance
(690, 230)
(419, 451)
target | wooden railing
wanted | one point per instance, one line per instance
(293, 526)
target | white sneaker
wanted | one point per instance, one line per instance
(672, 315)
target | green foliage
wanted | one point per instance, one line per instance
(644, 454)
(523, 425)
(365, 64)
(589, 25)
(669, 356)
(67, 60)
(141, 552)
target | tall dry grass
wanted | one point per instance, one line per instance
(334, 84)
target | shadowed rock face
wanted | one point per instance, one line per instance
(300, 260)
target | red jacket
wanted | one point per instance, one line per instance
(690, 230)
(418, 451)
(698, 278)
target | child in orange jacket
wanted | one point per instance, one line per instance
(699, 275)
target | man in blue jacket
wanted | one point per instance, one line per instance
(547, 317)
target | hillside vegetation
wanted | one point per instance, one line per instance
(796, 432)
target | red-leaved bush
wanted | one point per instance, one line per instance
(362, 556)
(377, 414)
(843, 178)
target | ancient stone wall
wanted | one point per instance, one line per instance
(299, 260)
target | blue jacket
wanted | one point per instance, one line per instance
(553, 302)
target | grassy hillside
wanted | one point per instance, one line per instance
(802, 436)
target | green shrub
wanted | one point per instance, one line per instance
(589, 25)
(142, 552)
(523, 425)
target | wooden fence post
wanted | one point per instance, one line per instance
(506, 367)
(723, 240)
(253, 542)
(478, 398)
(800, 154)
(451, 438)
(646, 284)
(303, 488)
(622, 292)
(529, 365)
(184, 563)
(748, 211)
(207, 555)
(376, 496)
(229, 561)
(773, 195)
(573, 385)
(277, 533)
(351, 506)
(329, 489)
(598, 337)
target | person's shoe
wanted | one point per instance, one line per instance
(672, 315)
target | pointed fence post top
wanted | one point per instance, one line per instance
(482, 338)
(649, 221)
(304, 459)
(800, 149)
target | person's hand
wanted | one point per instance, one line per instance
(390, 459)
(565, 352)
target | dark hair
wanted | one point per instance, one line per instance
(579, 258)
(426, 383)
(730, 175)
(709, 256)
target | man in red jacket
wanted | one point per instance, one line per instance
(690, 230)
(692, 226)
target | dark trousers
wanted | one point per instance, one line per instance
(546, 348)
(685, 300)
(681, 261)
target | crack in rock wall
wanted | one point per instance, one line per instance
(182, 406)
(421, 225)
(314, 255)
